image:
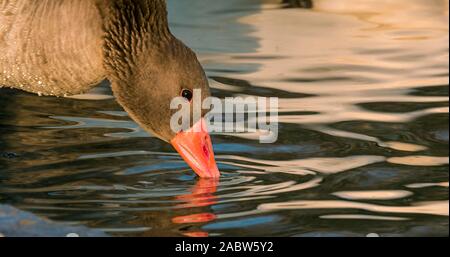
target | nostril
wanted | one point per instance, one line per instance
(206, 151)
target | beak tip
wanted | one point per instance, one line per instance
(210, 173)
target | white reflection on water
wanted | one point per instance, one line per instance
(432, 208)
(361, 217)
(307, 166)
(373, 195)
(422, 185)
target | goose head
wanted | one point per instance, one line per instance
(148, 67)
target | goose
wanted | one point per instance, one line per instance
(64, 47)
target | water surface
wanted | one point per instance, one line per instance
(363, 140)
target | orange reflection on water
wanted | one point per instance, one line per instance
(202, 195)
(196, 234)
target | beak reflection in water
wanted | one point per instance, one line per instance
(202, 195)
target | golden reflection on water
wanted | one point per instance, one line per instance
(419, 160)
(331, 47)
(341, 55)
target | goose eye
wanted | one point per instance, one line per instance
(187, 94)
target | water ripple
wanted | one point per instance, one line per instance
(363, 135)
